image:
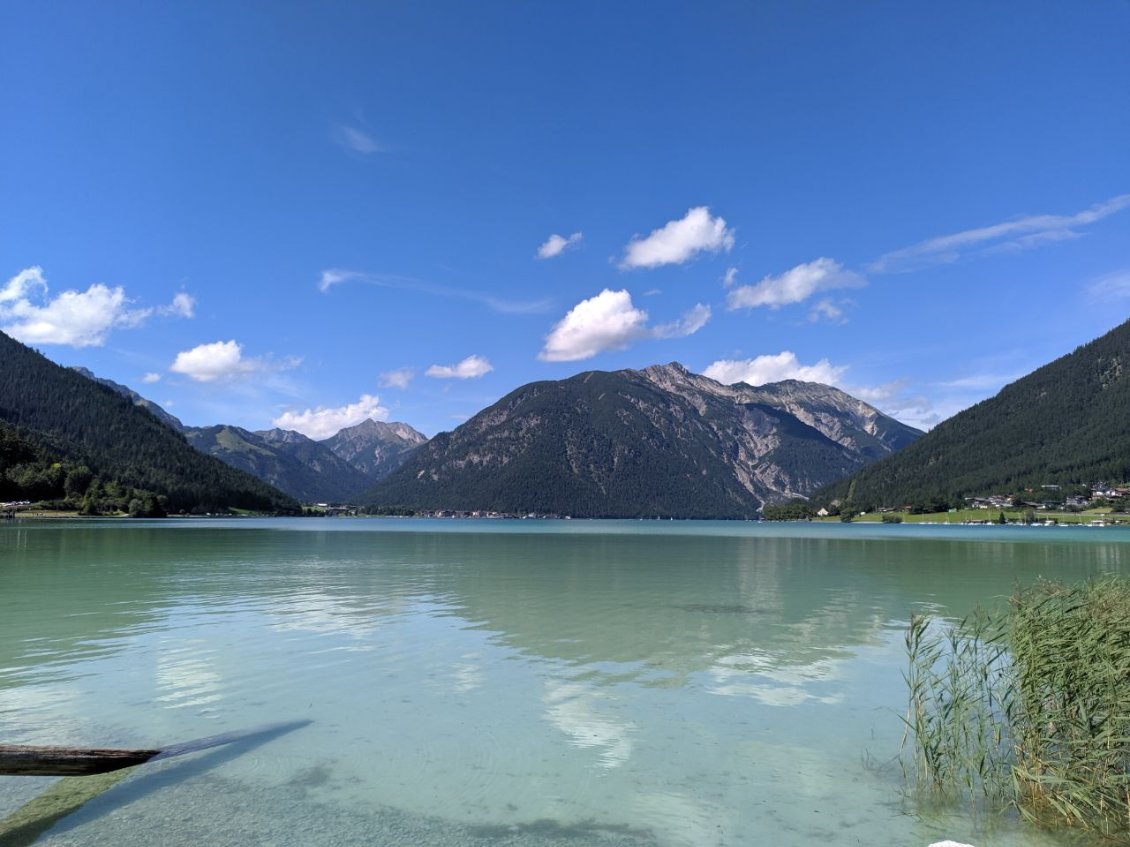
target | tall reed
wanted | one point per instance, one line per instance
(1028, 707)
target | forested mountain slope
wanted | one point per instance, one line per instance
(121, 446)
(1067, 422)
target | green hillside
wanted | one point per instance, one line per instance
(78, 429)
(1068, 422)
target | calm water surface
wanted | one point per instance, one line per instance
(484, 683)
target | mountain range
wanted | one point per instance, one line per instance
(656, 442)
(661, 441)
(1064, 423)
(336, 470)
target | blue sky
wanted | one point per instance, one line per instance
(304, 214)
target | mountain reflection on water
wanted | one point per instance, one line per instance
(581, 682)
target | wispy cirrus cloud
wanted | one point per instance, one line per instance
(610, 321)
(794, 285)
(830, 310)
(224, 361)
(472, 367)
(357, 140)
(324, 421)
(74, 318)
(679, 241)
(556, 244)
(332, 277)
(1112, 286)
(1019, 234)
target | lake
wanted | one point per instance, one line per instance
(497, 682)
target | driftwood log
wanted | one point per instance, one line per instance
(18, 760)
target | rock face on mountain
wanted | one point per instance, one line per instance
(303, 468)
(374, 447)
(658, 442)
(1064, 423)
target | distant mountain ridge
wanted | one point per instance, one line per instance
(305, 469)
(658, 442)
(1065, 422)
(335, 470)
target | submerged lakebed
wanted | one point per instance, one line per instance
(498, 682)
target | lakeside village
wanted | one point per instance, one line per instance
(1098, 504)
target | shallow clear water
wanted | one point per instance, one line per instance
(478, 683)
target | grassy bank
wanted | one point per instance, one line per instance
(1028, 708)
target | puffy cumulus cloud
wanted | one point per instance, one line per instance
(470, 368)
(794, 285)
(609, 321)
(763, 369)
(151, 378)
(1022, 233)
(556, 244)
(223, 360)
(398, 378)
(679, 241)
(74, 318)
(324, 422)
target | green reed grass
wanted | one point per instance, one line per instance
(1028, 707)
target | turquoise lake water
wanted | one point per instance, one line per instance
(509, 682)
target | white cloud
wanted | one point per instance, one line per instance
(555, 245)
(730, 277)
(75, 318)
(1114, 286)
(679, 241)
(183, 306)
(794, 285)
(763, 369)
(690, 323)
(1019, 234)
(23, 284)
(829, 310)
(354, 139)
(223, 360)
(336, 276)
(609, 321)
(470, 368)
(151, 378)
(324, 422)
(398, 378)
